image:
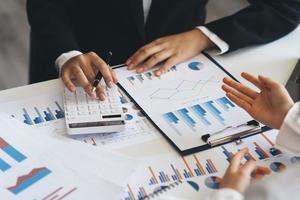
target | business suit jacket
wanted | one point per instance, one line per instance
(59, 26)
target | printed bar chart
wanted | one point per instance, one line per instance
(40, 115)
(11, 151)
(227, 154)
(199, 115)
(59, 114)
(147, 76)
(4, 165)
(214, 111)
(184, 114)
(225, 103)
(27, 119)
(186, 169)
(262, 154)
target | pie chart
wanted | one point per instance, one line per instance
(194, 185)
(196, 66)
(128, 117)
(277, 166)
(213, 182)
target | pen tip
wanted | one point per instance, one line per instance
(94, 89)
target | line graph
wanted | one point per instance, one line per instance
(185, 89)
(25, 181)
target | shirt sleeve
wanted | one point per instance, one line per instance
(288, 138)
(224, 194)
(223, 47)
(63, 58)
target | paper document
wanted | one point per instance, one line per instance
(186, 102)
(205, 169)
(45, 112)
(36, 166)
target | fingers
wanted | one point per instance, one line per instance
(88, 71)
(143, 53)
(153, 60)
(240, 87)
(236, 160)
(82, 80)
(252, 79)
(114, 76)
(238, 94)
(100, 91)
(66, 78)
(241, 103)
(248, 167)
(167, 65)
(268, 82)
(102, 67)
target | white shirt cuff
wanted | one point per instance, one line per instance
(63, 58)
(224, 194)
(288, 138)
(221, 44)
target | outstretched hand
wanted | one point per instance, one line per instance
(269, 106)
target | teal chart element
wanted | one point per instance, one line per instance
(128, 117)
(213, 182)
(196, 66)
(277, 166)
(194, 185)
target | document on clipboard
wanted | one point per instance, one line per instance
(188, 105)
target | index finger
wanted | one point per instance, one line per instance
(103, 68)
(252, 79)
(240, 87)
(236, 160)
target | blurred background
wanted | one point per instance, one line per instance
(14, 37)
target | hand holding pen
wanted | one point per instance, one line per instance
(81, 70)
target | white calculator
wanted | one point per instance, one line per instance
(86, 115)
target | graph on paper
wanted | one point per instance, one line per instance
(46, 111)
(27, 180)
(206, 168)
(186, 102)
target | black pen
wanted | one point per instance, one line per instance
(99, 75)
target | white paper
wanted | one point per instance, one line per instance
(85, 172)
(186, 102)
(212, 163)
(138, 128)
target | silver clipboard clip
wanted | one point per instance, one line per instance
(234, 137)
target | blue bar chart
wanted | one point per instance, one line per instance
(11, 152)
(214, 111)
(146, 76)
(159, 175)
(41, 114)
(195, 117)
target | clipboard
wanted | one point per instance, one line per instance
(234, 137)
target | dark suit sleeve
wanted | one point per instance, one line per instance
(261, 22)
(50, 27)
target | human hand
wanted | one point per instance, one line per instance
(269, 106)
(81, 70)
(171, 49)
(238, 175)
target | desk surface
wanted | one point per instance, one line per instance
(275, 60)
